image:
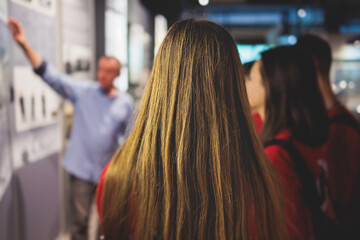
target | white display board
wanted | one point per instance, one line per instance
(36, 104)
(3, 10)
(47, 7)
(5, 161)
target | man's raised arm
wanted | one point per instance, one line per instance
(65, 85)
(18, 34)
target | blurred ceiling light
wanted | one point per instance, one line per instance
(350, 52)
(292, 39)
(357, 43)
(351, 85)
(203, 2)
(301, 13)
(343, 84)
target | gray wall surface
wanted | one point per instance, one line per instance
(30, 203)
(7, 214)
(37, 188)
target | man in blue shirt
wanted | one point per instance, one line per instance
(101, 120)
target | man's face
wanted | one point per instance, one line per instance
(108, 70)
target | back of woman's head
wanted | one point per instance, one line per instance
(320, 50)
(193, 156)
(247, 67)
(293, 99)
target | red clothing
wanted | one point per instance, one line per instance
(297, 212)
(257, 121)
(99, 202)
(100, 191)
(343, 156)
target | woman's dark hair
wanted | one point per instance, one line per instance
(247, 67)
(293, 98)
(319, 49)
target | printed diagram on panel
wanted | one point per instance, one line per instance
(77, 60)
(36, 104)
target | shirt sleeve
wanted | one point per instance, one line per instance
(64, 85)
(299, 225)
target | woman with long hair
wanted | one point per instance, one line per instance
(192, 167)
(255, 115)
(282, 88)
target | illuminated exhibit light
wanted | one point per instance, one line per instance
(292, 39)
(358, 109)
(351, 85)
(350, 52)
(357, 43)
(301, 13)
(343, 84)
(203, 2)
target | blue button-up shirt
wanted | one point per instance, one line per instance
(100, 123)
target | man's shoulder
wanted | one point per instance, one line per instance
(124, 97)
(91, 83)
(91, 87)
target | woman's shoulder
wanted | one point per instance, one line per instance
(276, 151)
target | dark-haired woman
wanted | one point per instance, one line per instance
(282, 88)
(255, 115)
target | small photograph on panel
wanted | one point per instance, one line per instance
(43, 105)
(22, 108)
(36, 104)
(33, 115)
(45, 3)
(23, 1)
(77, 61)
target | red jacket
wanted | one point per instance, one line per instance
(132, 229)
(100, 192)
(257, 121)
(298, 214)
(99, 202)
(343, 156)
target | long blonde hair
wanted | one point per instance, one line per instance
(198, 168)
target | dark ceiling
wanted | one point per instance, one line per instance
(336, 12)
